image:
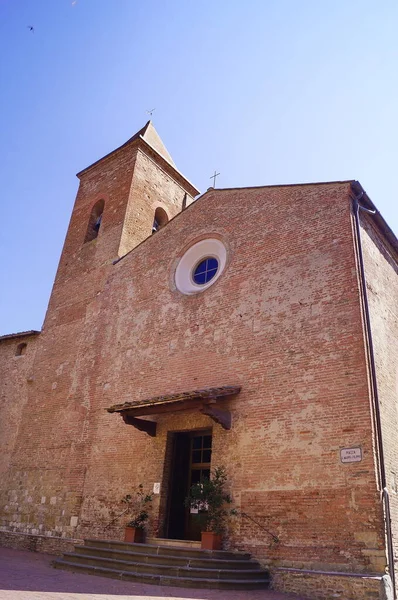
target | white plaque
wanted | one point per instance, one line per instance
(349, 455)
(156, 488)
(194, 511)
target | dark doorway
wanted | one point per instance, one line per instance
(190, 463)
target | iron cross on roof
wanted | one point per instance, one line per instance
(214, 177)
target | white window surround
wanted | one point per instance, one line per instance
(192, 257)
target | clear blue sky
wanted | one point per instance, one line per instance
(264, 91)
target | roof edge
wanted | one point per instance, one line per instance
(139, 138)
(133, 138)
(279, 185)
(377, 217)
(10, 336)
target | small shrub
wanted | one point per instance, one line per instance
(210, 499)
(138, 508)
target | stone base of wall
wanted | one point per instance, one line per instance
(324, 585)
(37, 543)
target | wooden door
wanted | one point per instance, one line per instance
(190, 463)
(199, 468)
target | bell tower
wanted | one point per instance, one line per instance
(122, 199)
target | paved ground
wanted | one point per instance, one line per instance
(29, 576)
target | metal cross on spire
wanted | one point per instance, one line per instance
(214, 178)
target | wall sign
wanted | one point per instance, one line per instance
(156, 488)
(349, 455)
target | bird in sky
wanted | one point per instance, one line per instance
(150, 111)
(31, 28)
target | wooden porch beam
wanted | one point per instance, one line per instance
(222, 417)
(148, 426)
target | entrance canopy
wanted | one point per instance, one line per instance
(206, 401)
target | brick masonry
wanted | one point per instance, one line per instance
(382, 287)
(16, 376)
(327, 586)
(284, 321)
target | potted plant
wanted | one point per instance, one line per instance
(210, 500)
(138, 507)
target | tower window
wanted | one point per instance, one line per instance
(95, 220)
(97, 224)
(159, 219)
(21, 349)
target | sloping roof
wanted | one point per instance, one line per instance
(10, 336)
(151, 136)
(207, 393)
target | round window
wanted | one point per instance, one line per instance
(200, 266)
(205, 270)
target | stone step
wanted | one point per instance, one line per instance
(178, 543)
(165, 570)
(167, 580)
(167, 550)
(166, 565)
(131, 555)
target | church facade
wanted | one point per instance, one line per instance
(255, 329)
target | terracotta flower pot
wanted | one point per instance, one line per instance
(134, 535)
(210, 541)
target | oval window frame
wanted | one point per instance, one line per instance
(205, 248)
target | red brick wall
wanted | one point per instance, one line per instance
(82, 268)
(382, 287)
(283, 321)
(15, 371)
(151, 187)
(15, 380)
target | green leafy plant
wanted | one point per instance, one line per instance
(211, 501)
(138, 507)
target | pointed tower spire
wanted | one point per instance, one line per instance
(151, 136)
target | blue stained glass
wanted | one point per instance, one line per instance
(201, 268)
(205, 270)
(212, 263)
(200, 278)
